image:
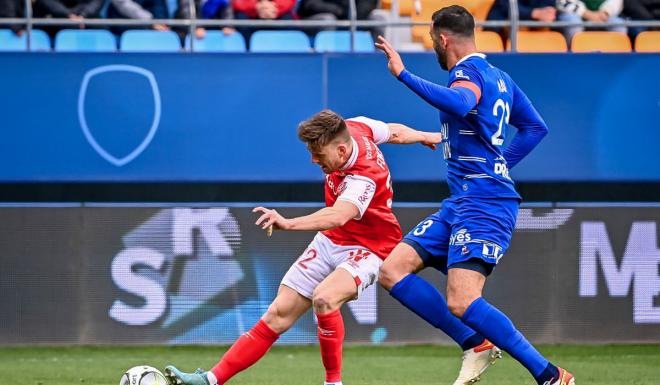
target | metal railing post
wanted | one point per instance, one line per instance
(192, 29)
(28, 26)
(514, 17)
(352, 12)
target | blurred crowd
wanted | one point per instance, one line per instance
(598, 11)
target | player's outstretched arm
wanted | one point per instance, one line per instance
(402, 134)
(325, 219)
(455, 100)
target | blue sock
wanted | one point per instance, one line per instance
(498, 328)
(426, 301)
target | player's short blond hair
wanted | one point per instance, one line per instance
(322, 129)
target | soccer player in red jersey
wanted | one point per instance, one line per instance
(356, 231)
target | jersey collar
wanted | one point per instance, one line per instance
(475, 54)
(353, 158)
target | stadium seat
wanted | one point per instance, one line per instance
(85, 40)
(648, 41)
(406, 7)
(279, 41)
(478, 8)
(217, 41)
(149, 41)
(488, 41)
(340, 41)
(600, 41)
(9, 41)
(540, 41)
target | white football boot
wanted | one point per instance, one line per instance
(565, 378)
(476, 361)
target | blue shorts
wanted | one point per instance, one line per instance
(464, 231)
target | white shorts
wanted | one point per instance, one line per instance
(322, 257)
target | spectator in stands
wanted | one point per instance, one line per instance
(599, 11)
(70, 9)
(339, 10)
(262, 9)
(12, 9)
(138, 9)
(641, 10)
(207, 9)
(77, 10)
(539, 10)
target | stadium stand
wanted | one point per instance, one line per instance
(340, 41)
(648, 41)
(149, 41)
(85, 40)
(279, 41)
(540, 41)
(217, 41)
(9, 41)
(488, 41)
(600, 41)
(406, 7)
(478, 8)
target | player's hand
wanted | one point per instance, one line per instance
(395, 64)
(270, 218)
(431, 139)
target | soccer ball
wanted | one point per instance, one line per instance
(143, 375)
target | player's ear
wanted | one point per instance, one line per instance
(443, 40)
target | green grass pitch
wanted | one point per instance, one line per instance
(372, 365)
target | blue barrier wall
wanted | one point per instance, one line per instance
(178, 117)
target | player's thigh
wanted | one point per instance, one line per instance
(356, 268)
(403, 260)
(286, 309)
(338, 288)
(430, 239)
(311, 268)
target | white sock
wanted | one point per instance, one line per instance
(332, 383)
(211, 377)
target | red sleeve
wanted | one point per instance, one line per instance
(284, 6)
(248, 7)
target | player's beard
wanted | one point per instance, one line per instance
(441, 55)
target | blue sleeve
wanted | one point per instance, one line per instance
(530, 125)
(458, 101)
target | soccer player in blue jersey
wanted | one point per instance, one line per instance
(471, 232)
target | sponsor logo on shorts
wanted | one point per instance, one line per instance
(460, 238)
(492, 251)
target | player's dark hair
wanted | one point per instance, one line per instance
(322, 128)
(454, 19)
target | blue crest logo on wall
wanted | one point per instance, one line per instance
(126, 114)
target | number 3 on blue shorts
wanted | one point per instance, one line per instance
(422, 227)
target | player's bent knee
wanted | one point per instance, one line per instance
(277, 319)
(457, 306)
(324, 302)
(388, 277)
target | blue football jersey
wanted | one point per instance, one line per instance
(473, 144)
